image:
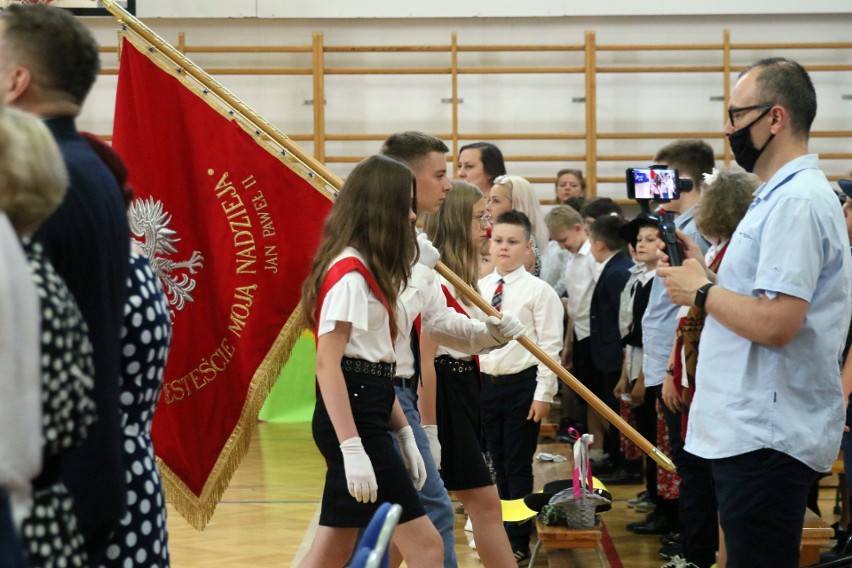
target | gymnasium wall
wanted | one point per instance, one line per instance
(537, 103)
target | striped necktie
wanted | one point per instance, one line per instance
(497, 298)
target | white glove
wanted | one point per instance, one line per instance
(429, 255)
(506, 328)
(411, 456)
(434, 445)
(360, 476)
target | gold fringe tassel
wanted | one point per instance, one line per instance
(198, 510)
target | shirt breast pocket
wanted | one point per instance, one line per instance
(739, 267)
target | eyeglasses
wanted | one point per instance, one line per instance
(484, 220)
(734, 111)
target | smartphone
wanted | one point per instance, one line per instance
(654, 184)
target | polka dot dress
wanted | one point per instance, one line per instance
(141, 539)
(50, 531)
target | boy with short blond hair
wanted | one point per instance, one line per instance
(578, 280)
(517, 389)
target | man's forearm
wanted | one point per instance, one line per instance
(773, 322)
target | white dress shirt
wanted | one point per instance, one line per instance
(579, 280)
(538, 307)
(351, 300)
(473, 313)
(423, 296)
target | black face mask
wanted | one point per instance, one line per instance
(744, 151)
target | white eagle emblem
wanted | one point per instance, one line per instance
(149, 220)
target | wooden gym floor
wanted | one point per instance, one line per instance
(273, 498)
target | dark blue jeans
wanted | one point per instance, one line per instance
(762, 497)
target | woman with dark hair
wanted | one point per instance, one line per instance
(350, 300)
(141, 538)
(481, 163)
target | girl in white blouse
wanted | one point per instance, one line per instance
(349, 298)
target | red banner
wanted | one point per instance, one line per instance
(230, 224)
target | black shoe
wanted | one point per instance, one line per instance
(670, 538)
(622, 477)
(648, 517)
(653, 524)
(669, 551)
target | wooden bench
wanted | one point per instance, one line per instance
(816, 533)
(559, 541)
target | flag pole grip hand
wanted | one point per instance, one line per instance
(566, 377)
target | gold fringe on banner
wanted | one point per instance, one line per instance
(198, 510)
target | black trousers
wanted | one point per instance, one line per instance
(511, 440)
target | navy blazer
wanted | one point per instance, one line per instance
(88, 241)
(605, 338)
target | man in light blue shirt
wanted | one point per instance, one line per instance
(768, 409)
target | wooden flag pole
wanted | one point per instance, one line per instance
(258, 122)
(566, 377)
(191, 69)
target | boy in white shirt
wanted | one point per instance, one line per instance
(578, 280)
(517, 389)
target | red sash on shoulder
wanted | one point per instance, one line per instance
(452, 302)
(337, 271)
(456, 305)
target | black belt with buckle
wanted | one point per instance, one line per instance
(362, 367)
(453, 366)
(526, 374)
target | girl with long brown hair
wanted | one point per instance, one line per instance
(349, 299)
(458, 230)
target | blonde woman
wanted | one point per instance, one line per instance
(514, 193)
(51, 532)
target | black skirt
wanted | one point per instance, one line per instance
(462, 463)
(371, 399)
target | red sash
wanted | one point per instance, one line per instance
(333, 276)
(456, 305)
(452, 302)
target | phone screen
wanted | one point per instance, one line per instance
(654, 184)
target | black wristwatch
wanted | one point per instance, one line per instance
(701, 295)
